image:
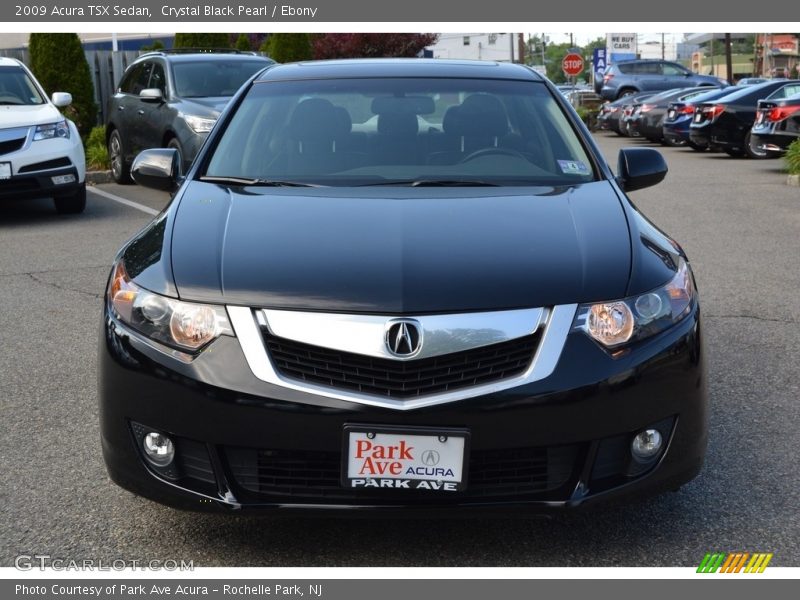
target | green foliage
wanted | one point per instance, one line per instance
(287, 47)
(96, 151)
(156, 45)
(243, 43)
(58, 62)
(793, 158)
(202, 40)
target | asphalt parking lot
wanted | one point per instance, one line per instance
(736, 218)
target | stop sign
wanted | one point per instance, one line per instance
(572, 64)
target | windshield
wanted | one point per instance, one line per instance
(17, 88)
(401, 130)
(211, 78)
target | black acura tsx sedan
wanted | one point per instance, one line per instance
(401, 285)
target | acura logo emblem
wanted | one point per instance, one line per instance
(403, 337)
(430, 458)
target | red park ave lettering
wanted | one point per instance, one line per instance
(380, 459)
(366, 448)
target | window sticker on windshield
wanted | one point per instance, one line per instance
(574, 167)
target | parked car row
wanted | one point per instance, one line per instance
(757, 120)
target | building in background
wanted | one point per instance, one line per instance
(777, 54)
(502, 47)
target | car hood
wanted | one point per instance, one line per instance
(205, 107)
(28, 115)
(408, 250)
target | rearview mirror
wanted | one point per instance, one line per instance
(639, 168)
(157, 168)
(151, 95)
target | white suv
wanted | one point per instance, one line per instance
(41, 153)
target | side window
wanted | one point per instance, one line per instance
(651, 68)
(627, 69)
(158, 79)
(671, 70)
(778, 94)
(126, 85)
(791, 90)
(142, 79)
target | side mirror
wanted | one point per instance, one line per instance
(157, 168)
(639, 168)
(151, 95)
(61, 99)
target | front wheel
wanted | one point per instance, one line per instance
(734, 152)
(120, 168)
(72, 204)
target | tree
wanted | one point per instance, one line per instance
(202, 40)
(287, 47)
(371, 45)
(243, 43)
(59, 63)
(156, 45)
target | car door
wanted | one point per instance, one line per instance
(135, 110)
(650, 76)
(122, 108)
(151, 115)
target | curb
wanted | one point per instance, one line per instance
(793, 180)
(95, 177)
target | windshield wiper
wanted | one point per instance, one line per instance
(259, 182)
(437, 183)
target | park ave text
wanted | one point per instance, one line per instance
(177, 11)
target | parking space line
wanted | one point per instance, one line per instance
(126, 202)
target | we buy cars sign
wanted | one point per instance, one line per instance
(572, 64)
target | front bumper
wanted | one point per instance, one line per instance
(245, 444)
(34, 164)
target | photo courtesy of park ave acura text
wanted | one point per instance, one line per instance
(329, 299)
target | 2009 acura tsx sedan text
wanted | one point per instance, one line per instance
(400, 285)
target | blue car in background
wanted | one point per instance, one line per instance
(633, 76)
(679, 117)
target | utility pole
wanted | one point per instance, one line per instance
(662, 46)
(521, 48)
(728, 58)
(712, 55)
(511, 46)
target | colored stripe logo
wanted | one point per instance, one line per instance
(735, 562)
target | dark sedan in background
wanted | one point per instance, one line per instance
(678, 118)
(650, 116)
(777, 125)
(726, 122)
(342, 309)
(610, 117)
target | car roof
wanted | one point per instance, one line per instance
(398, 67)
(206, 56)
(9, 62)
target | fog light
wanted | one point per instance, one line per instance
(158, 449)
(63, 179)
(646, 444)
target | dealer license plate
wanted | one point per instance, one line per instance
(404, 459)
(671, 113)
(5, 170)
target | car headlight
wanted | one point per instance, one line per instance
(51, 131)
(631, 319)
(199, 124)
(182, 325)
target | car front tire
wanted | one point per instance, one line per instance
(120, 168)
(72, 204)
